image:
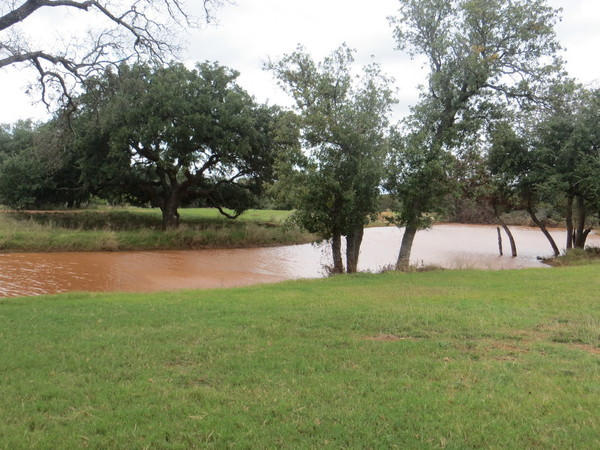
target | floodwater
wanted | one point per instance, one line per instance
(450, 246)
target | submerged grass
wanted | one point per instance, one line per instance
(140, 229)
(447, 359)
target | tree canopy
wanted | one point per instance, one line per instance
(553, 157)
(36, 171)
(343, 127)
(172, 135)
(480, 53)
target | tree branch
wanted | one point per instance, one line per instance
(133, 33)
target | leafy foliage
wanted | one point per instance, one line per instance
(171, 135)
(35, 168)
(481, 53)
(554, 158)
(343, 125)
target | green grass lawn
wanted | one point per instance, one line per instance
(140, 229)
(450, 359)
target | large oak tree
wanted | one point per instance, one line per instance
(171, 135)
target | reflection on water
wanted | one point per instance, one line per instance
(451, 246)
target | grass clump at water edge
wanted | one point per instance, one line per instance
(465, 359)
(576, 257)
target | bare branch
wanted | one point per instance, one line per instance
(215, 204)
(142, 30)
(31, 6)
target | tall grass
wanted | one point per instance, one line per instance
(466, 359)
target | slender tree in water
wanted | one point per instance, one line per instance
(343, 125)
(478, 52)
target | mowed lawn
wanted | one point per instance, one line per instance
(449, 359)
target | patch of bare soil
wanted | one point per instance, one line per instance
(544, 333)
(510, 348)
(510, 352)
(390, 338)
(586, 348)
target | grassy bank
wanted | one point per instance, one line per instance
(576, 257)
(140, 229)
(454, 359)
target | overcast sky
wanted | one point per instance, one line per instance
(252, 31)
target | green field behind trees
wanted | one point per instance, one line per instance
(120, 229)
(448, 359)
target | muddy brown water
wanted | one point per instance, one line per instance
(451, 246)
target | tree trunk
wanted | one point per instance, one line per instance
(353, 241)
(569, 220)
(336, 249)
(511, 239)
(403, 263)
(542, 227)
(170, 215)
(580, 232)
(351, 261)
(499, 241)
(586, 232)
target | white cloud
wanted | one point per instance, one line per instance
(254, 30)
(579, 34)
